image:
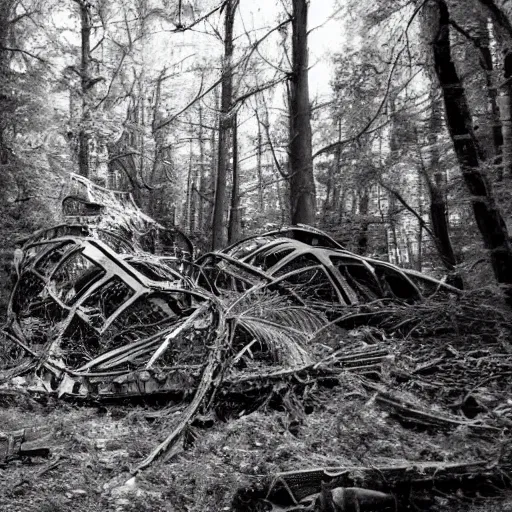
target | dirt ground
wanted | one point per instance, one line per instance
(462, 367)
(95, 447)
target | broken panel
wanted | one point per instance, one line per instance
(313, 285)
(267, 258)
(53, 255)
(324, 277)
(103, 302)
(75, 275)
(218, 272)
(395, 284)
(359, 276)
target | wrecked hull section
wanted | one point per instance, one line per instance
(99, 325)
(102, 305)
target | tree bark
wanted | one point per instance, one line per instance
(419, 237)
(362, 239)
(492, 93)
(474, 64)
(213, 166)
(235, 220)
(502, 30)
(506, 115)
(458, 117)
(259, 160)
(225, 125)
(337, 186)
(83, 134)
(6, 9)
(188, 200)
(437, 189)
(302, 182)
(202, 172)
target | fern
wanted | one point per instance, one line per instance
(283, 328)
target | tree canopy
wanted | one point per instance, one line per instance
(386, 123)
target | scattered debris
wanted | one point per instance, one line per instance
(110, 306)
(26, 442)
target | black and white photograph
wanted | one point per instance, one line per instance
(255, 256)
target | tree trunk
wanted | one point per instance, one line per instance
(213, 168)
(235, 220)
(362, 240)
(6, 8)
(492, 93)
(475, 68)
(506, 115)
(83, 135)
(155, 206)
(335, 214)
(189, 199)
(328, 196)
(202, 175)
(225, 125)
(259, 159)
(302, 183)
(419, 238)
(437, 189)
(458, 117)
(502, 31)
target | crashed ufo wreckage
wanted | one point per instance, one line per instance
(317, 271)
(110, 303)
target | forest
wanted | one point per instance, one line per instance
(256, 255)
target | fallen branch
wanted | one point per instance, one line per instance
(188, 415)
(411, 413)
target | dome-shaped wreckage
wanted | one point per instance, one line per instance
(110, 303)
(313, 269)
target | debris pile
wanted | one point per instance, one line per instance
(110, 306)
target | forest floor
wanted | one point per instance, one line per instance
(94, 447)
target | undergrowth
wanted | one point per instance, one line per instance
(296, 427)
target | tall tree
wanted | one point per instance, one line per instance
(235, 220)
(225, 125)
(458, 118)
(502, 29)
(302, 181)
(6, 11)
(85, 82)
(435, 178)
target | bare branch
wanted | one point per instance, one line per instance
(183, 28)
(25, 52)
(114, 76)
(374, 117)
(122, 155)
(404, 35)
(410, 209)
(266, 127)
(243, 61)
(21, 16)
(258, 89)
(200, 94)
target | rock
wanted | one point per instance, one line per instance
(122, 502)
(129, 487)
(101, 444)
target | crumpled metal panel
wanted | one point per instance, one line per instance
(103, 322)
(324, 278)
